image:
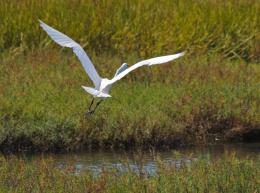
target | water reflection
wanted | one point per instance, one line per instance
(146, 162)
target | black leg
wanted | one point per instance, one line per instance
(89, 108)
(96, 106)
(89, 111)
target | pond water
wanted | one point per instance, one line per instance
(145, 161)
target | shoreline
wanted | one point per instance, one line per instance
(26, 146)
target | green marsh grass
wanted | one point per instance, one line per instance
(191, 100)
(226, 174)
(212, 91)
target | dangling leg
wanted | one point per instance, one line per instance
(98, 103)
(89, 108)
(91, 104)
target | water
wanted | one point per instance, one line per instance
(145, 162)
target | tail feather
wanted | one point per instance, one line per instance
(95, 93)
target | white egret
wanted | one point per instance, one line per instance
(102, 85)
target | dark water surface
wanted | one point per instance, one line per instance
(138, 161)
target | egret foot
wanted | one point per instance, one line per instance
(89, 112)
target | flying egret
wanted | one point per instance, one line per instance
(102, 85)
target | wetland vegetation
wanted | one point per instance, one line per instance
(226, 174)
(211, 93)
(43, 106)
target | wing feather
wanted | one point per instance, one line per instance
(65, 41)
(149, 62)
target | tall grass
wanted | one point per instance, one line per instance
(142, 28)
(226, 174)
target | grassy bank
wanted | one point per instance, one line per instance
(190, 101)
(211, 92)
(226, 174)
(143, 27)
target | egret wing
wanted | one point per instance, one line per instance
(65, 41)
(149, 62)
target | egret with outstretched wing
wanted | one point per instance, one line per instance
(102, 85)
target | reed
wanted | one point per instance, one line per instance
(142, 28)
